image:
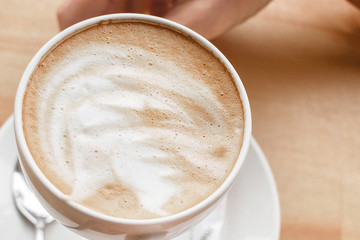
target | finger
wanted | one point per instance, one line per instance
(201, 16)
(161, 7)
(117, 6)
(73, 11)
(153, 7)
(355, 3)
(211, 18)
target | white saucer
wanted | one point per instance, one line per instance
(252, 211)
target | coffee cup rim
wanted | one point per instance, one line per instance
(60, 37)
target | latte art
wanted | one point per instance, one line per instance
(129, 130)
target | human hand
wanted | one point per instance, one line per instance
(210, 18)
(355, 3)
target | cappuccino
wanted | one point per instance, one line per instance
(133, 120)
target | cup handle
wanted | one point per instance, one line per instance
(157, 236)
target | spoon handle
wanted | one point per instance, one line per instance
(40, 232)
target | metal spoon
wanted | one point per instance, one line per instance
(27, 203)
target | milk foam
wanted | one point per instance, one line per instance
(119, 113)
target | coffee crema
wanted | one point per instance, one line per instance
(133, 120)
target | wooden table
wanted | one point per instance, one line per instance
(300, 63)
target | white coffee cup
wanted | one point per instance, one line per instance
(92, 224)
